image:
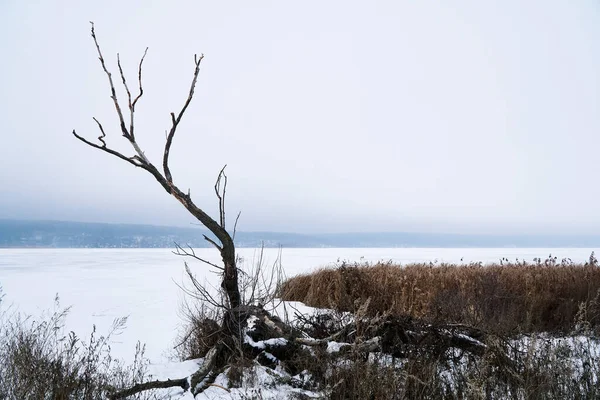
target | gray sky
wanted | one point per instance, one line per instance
(472, 116)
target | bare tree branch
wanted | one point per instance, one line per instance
(127, 134)
(200, 296)
(130, 102)
(128, 94)
(180, 251)
(102, 134)
(140, 387)
(209, 240)
(257, 272)
(235, 225)
(113, 92)
(176, 120)
(136, 161)
(139, 81)
(197, 382)
(201, 292)
(221, 194)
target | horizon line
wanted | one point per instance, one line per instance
(200, 227)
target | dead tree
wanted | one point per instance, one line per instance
(235, 312)
(262, 327)
(224, 241)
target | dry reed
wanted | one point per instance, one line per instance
(544, 296)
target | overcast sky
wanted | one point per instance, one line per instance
(333, 116)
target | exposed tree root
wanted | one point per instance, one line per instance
(269, 342)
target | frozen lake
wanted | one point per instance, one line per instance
(104, 284)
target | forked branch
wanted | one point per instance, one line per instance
(141, 92)
(113, 92)
(176, 120)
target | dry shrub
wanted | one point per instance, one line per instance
(205, 306)
(532, 368)
(365, 379)
(39, 361)
(501, 298)
(202, 332)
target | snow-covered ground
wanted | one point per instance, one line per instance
(101, 284)
(104, 284)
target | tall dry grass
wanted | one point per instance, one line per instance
(537, 369)
(505, 298)
(39, 360)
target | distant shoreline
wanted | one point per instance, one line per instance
(23, 234)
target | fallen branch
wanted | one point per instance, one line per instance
(140, 387)
(197, 382)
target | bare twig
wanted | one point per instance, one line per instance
(102, 134)
(221, 194)
(139, 81)
(257, 271)
(131, 103)
(128, 94)
(176, 120)
(201, 292)
(235, 225)
(113, 92)
(209, 240)
(180, 251)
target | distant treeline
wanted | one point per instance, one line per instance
(60, 234)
